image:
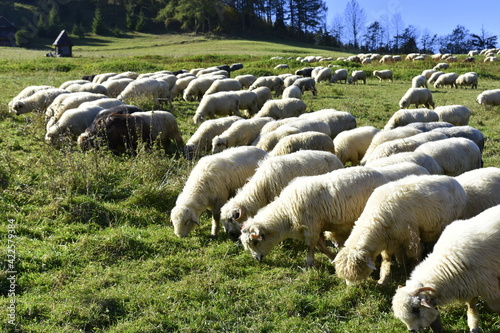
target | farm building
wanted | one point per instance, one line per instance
(7, 32)
(63, 45)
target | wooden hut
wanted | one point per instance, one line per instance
(63, 45)
(7, 32)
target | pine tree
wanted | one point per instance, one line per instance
(98, 22)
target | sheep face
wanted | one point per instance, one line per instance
(218, 144)
(353, 265)
(198, 119)
(232, 220)
(257, 240)
(19, 107)
(184, 220)
(416, 308)
(403, 104)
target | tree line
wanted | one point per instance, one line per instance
(299, 20)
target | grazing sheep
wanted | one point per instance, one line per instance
(292, 91)
(66, 84)
(416, 96)
(339, 75)
(463, 266)
(241, 133)
(357, 76)
(39, 101)
(122, 132)
(351, 145)
(26, 92)
(116, 86)
(306, 84)
(404, 117)
(310, 206)
(88, 87)
(467, 79)
(447, 79)
(145, 88)
(454, 155)
(290, 79)
(338, 121)
(457, 115)
(180, 85)
(468, 132)
(263, 95)
(428, 73)
(434, 77)
(419, 81)
(249, 101)
(201, 141)
(382, 75)
(65, 102)
(196, 88)
(211, 183)
(222, 104)
(422, 159)
(246, 80)
(324, 74)
(272, 175)
(482, 187)
(426, 127)
(386, 59)
(303, 141)
(489, 98)
(304, 72)
(223, 85)
(441, 65)
(397, 171)
(282, 108)
(273, 82)
(397, 219)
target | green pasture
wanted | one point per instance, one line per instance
(94, 251)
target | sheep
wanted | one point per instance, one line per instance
(272, 175)
(222, 103)
(441, 65)
(406, 116)
(196, 88)
(38, 101)
(26, 92)
(303, 141)
(248, 101)
(447, 79)
(213, 180)
(385, 74)
(434, 77)
(281, 66)
(416, 96)
(339, 75)
(201, 141)
(357, 76)
(273, 82)
(419, 158)
(351, 145)
(467, 79)
(463, 266)
(212, 71)
(66, 84)
(223, 85)
(323, 74)
(457, 115)
(292, 91)
(115, 87)
(310, 206)
(88, 87)
(270, 127)
(338, 121)
(454, 155)
(426, 127)
(489, 98)
(145, 88)
(100, 78)
(396, 220)
(289, 80)
(65, 102)
(306, 84)
(482, 187)
(282, 108)
(246, 80)
(419, 81)
(263, 95)
(388, 135)
(241, 133)
(397, 171)
(386, 59)
(304, 72)
(428, 73)
(468, 132)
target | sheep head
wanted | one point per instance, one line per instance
(255, 239)
(353, 264)
(219, 144)
(184, 220)
(232, 219)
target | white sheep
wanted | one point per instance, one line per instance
(65, 102)
(196, 88)
(116, 86)
(201, 140)
(489, 98)
(303, 141)
(457, 115)
(357, 76)
(434, 77)
(482, 187)
(282, 108)
(26, 92)
(271, 177)
(310, 206)
(397, 219)
(263, 95)
(324, 74)
(454, 155)
(404, 117)
(338, 121)
(88, 87)
(467, 79)
(422, 159)
(397, 171)
(339, 75)
(66, 84)
(292, 92)
(447, 79)
(38, 101)
(180, 85)
(241, 133)
(222, 104)
(273, 82)
(468, 132)
(249, 101)
(385, 74)
(428, 73)
(426, 127)
(306, 84)
(145, 88)
(211, 183)
(351, 145)
(416, 96)
(224, 85)
(463, 266)
(289, 80)
(441, 65)
(246, 80)
(419, 81)
(100, 78)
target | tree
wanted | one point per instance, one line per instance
(408, 40)
(484, 40)
(428, 42)
(373, 37)
(397, 27)
(355, 19)
(337, 27)
(98, 26)
(458, 42)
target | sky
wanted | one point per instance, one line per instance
(439, 17)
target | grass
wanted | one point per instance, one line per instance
(94, 249)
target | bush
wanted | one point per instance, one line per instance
(22, 38)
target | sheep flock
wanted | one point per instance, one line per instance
(270, 168)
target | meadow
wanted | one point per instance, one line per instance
(86, 243)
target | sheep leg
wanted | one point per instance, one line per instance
(310, 256)
(385, 268)
(473, 315)
(322, 247)
(216, 220)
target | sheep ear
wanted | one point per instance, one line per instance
(370, 263)
(195, 221)
(256, 234)
(236, 214)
